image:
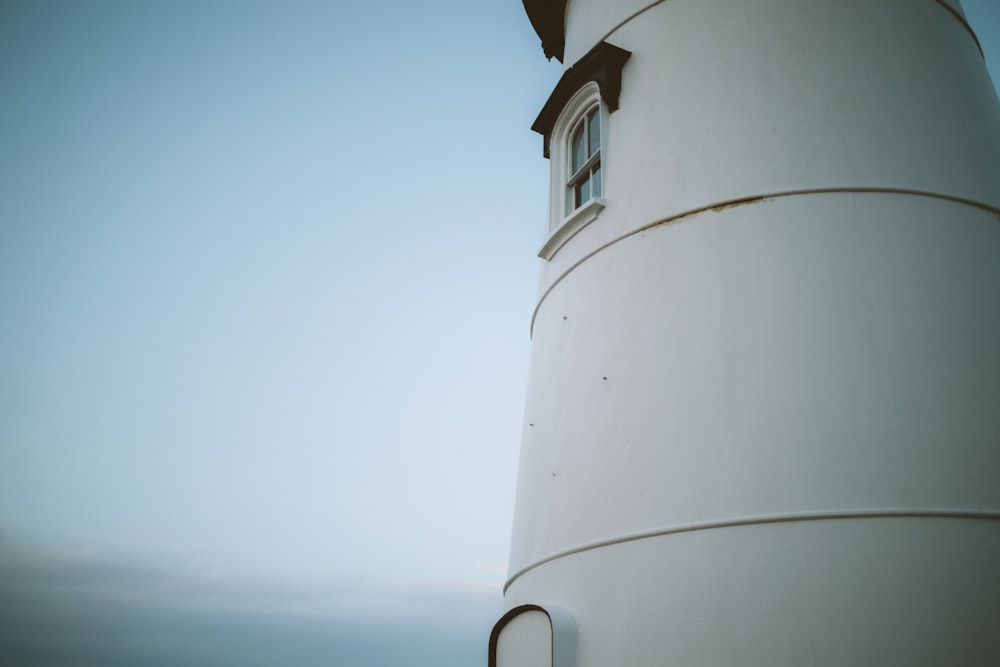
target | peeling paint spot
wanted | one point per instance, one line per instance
(738, 202)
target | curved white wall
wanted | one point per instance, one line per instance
(722, 101)
(590, 21)
(867, 592)
(763, 419)
(801, 354)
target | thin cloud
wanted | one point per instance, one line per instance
(60, 609)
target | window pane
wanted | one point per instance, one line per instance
(596, 180)
(582, 193)
(578, 147)
(595, 131)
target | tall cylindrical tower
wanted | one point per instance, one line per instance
(763, 417)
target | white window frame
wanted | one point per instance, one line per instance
(565, 219)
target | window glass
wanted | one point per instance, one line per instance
(578, 148)
(582, 193)
(582, 157)
(594, 121)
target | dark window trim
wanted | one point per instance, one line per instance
(603, 65)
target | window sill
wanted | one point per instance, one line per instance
(573, 223)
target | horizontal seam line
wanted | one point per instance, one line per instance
(989, 515)
(729, 203)
(631, 18)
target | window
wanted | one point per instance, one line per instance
(574, 127)
(584, 181)
(578, 154)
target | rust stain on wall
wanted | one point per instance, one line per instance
(738, 202)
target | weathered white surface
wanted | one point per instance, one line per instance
(814, 352)
(866, 592)
(722, 101)
(590, 21)
(828, 350)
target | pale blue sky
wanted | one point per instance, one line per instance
(265, 281)
(266, 271)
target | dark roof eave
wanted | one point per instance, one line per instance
(603, 65)
(548, 19)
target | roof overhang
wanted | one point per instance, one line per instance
(548, 18)
(602, 65)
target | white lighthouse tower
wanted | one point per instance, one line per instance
(763, 418)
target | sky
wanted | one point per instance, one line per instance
(266, 274)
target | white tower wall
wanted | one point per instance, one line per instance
(763, 419)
